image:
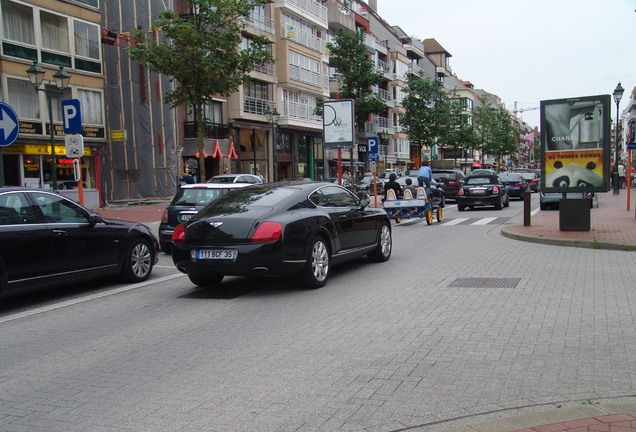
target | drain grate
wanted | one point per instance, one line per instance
(485, 283)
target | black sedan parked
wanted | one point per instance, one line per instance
(483, 190)
(278, 229)
(48, 240)
(188, 200)
(517, 184)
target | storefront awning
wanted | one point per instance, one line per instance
(347, 162)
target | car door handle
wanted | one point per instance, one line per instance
(59, 232)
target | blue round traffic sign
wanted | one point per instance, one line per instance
(9, 125)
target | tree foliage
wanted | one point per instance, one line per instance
(202, 52)
(357, 74)
(427, 115)
(459, 135)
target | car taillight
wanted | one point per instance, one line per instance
(178, 236)
(518, 184)
(453, 183)
(495, 190)
(164, 218)
(267, 232)
(461, 191)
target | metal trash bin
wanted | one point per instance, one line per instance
(574, 214)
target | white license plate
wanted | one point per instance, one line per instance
(478, 191)
(184, 217)
(212, 254)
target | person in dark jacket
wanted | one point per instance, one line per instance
(392, 184)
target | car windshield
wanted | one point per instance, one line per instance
(443, 176)
(254, 195)
(221, 179)
(511, 177)
(197, 196)
(479, 180)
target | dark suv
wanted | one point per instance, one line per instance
(450, 180)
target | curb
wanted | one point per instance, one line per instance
(509, 232)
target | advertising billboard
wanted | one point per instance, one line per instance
(338, 123)
(575, 144)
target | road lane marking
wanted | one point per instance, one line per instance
(455, 221)
(484, 221)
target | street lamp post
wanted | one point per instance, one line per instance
(272, 117)
(61, 78)
(618, 95)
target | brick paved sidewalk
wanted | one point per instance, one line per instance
(612, 226)
(611, 423)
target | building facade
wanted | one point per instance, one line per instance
(53, 35)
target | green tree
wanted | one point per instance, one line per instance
(202, 52)
(459, 134)
(427, 115)
(505, 135)
(357, 74)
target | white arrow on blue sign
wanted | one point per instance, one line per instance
(8, 125)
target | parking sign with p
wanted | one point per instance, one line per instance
(72, 116)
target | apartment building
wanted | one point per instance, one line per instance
(47, 36)
(272, 118)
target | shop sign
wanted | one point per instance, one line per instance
(93, 132)
(39, 149)
(117, 135)
(30, 128)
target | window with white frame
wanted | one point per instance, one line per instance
(400, 68)
(304, 69)
(23, 98)
(92, 108)
(54, 32)
(87, 39)
(17, 22)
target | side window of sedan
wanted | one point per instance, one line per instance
(15, 209)
(59, 210)
(319, 199)
(339, 197)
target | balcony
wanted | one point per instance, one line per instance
(254, 105)
(310, 10)
(340, 17)
(261, 23)
(267, 69)
(303, 38)
(212, 130)
(300, 111)
(303, 75)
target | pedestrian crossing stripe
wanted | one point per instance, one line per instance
(459, 221)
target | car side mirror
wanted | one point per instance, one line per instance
(364, 201)
(94, 219)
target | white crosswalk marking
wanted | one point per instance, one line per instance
(455, 221)
(484, 221)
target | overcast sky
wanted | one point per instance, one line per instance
(528, 51)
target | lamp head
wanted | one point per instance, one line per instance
(36, 74)
(61, 78)
(618, 93)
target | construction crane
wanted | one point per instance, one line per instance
(516, 110)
